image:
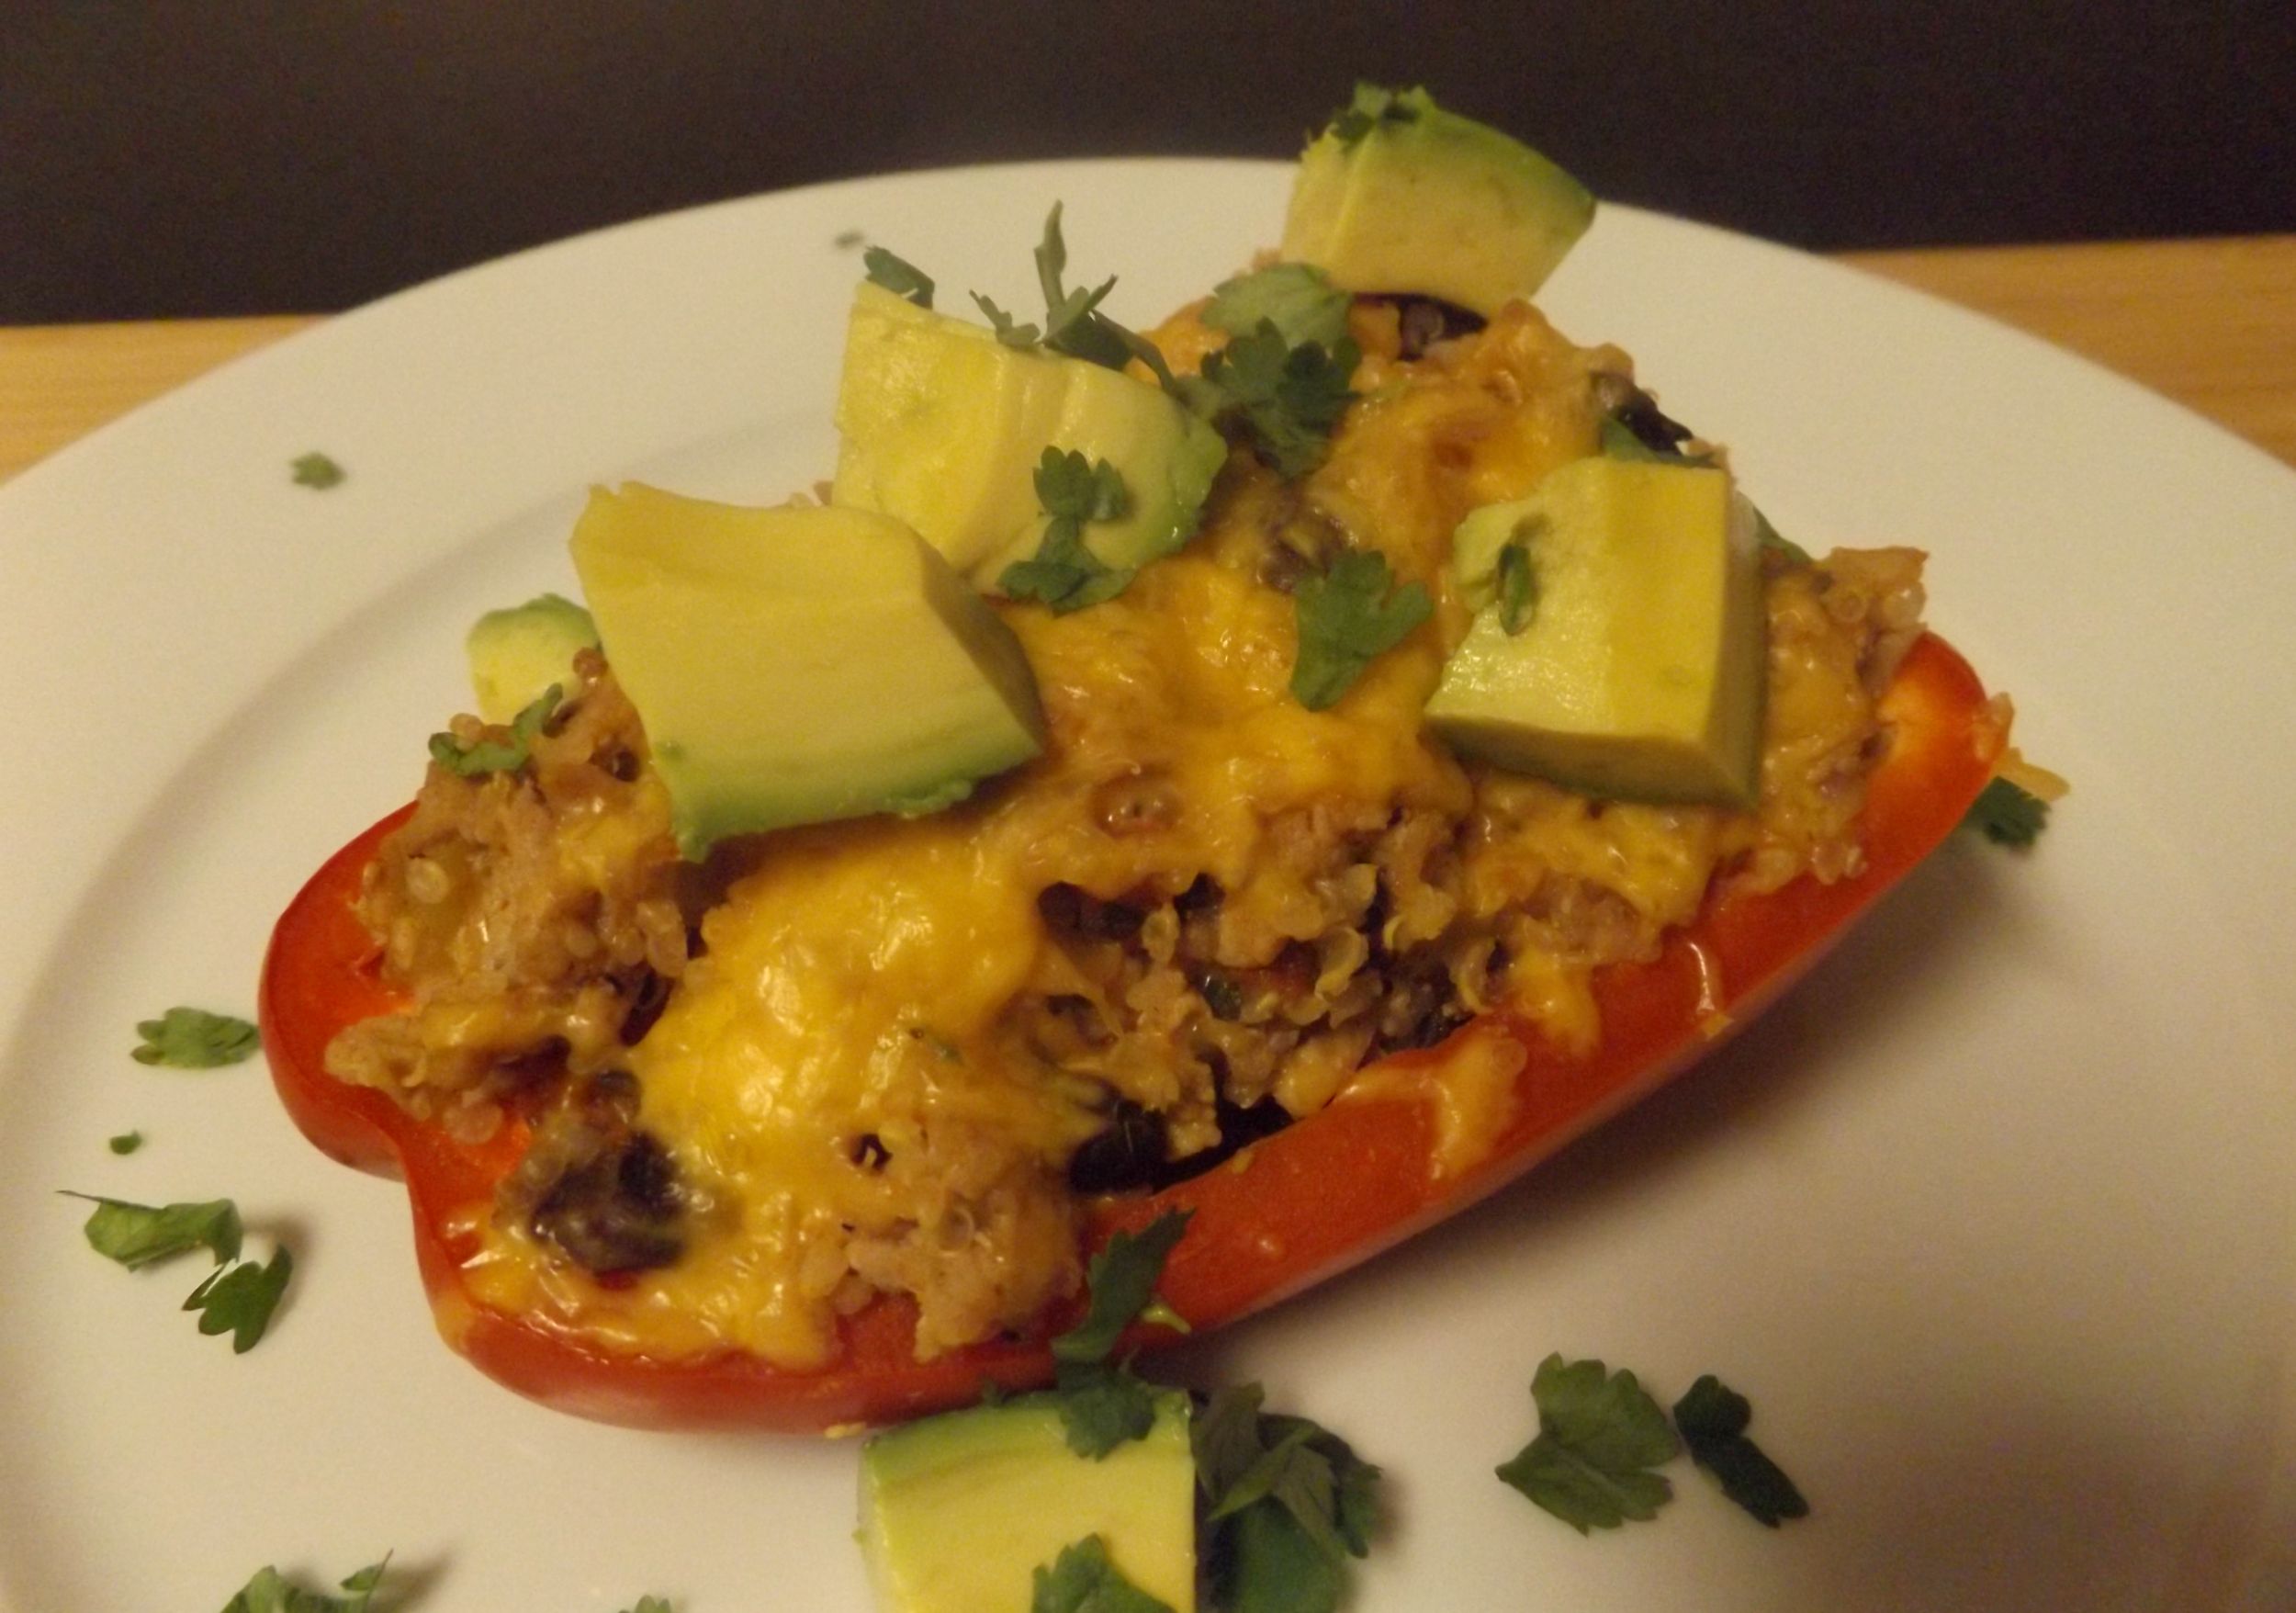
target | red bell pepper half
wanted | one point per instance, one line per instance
(1329, 1191)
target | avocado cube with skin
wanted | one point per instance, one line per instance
(799, 665)
(959, 1511)
(1400, 196)
(1638, 666)
(942, 425)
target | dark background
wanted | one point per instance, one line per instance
(263, 155)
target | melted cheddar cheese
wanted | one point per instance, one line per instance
(875, 1077)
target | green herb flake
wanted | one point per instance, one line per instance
(1287, 398)
(1009, 331)
(1064, 574)
(1517, 586)
(144, 1235)
(650, 1605)
(1083, 1579)
(240, 1300)
(316, 471)
(1121, 1279)
(1712, 1420)
(1286, 1502)
(1599, 1435)
(193, 1038)
(1299, 300)
(898, 275)
(1372, 107)
(1347, 619)
(2008, 813)
(1103, 1407)
(126, 1143)
(271, 1592)
(482, 756)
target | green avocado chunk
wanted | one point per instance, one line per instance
(1400, 196)
(959, 1511)
(942, 427)
(517, 652)
(1636, 664)
(798, 665)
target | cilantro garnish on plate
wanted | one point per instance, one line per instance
(317, 471)
(193, 1038)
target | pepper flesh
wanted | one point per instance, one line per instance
(1335, 1188)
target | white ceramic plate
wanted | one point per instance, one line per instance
(1991, 1219)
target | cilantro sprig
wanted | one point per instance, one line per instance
(1347, 617)
(1105, 1404)
(2008, 813)
(1083, 1579)
(1286, 396)
(1286, 1504)
(194, 1039)
(1599, 1436)
(898, 275)
(272, 1592)
(1602, 1435)
(476, 758)
(238, 1297)
(1064, 574)
(1299, 300)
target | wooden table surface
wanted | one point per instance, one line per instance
(2210, 323)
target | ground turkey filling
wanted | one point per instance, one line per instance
(1219, 906)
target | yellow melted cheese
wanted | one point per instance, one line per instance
(861, 981)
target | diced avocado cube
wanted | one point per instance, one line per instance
(798, 665)
(1637, 665)
(959, 1511)
(942, 427)
(517, 652)
(1400, 196)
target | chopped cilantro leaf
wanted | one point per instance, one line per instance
(271, 1592)
(1103, 1406)
(1083, 1579)
(1072, 323)
(1286, 1502)
(650, 1605)
(1712, 1421)
(1065, 573)
(1009, 331)
(1122, 1278)
(482, 756)
(1518, 587)
(1599, 1435)
(1287, 398)
(1371, 107)
(2008, 813)
(143, 1235)
(126, 1142)
(1299, 300)
(239, 1300)
(898, 275)
(316, 471)
(193, 1038)
(1347, 618)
